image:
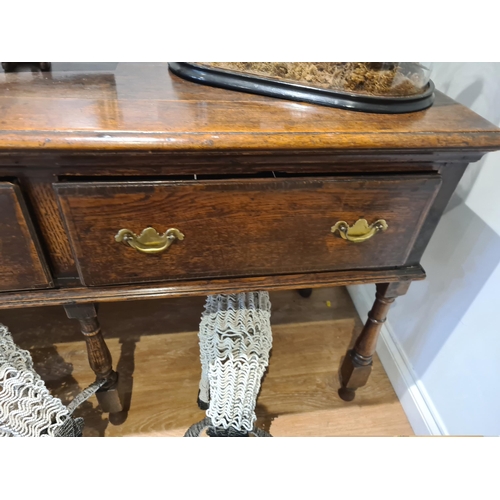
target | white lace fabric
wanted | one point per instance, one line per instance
(235, 341)
(27, 409)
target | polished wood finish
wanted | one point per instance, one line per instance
(99, 356)
(255, 182)
(39, 190)
(357, 364)
(144, 107)
(233, 227)
(22, 265)
(84, 295)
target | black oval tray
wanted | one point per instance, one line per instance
(296, 92)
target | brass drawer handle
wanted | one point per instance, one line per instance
(149, 241)
(360, 231)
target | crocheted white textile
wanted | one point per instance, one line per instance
(26, 407)
(235, 340)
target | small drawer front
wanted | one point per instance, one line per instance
(212, 229)
(22, 266)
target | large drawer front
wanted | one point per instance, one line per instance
(241, 227)
(22, 266)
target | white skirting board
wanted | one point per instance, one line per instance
(416, 403)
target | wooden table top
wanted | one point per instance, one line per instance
(142, 106)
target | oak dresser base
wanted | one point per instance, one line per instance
(130, 183)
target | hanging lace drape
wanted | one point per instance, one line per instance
(27, 409)
(235, 341)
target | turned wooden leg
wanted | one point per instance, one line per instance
(99, 355)
(357, 364)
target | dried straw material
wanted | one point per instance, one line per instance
(377, 79)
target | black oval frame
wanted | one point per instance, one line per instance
(296, 92)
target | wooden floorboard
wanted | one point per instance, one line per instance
(155, 345)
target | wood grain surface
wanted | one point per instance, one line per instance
(48, 219)
(144, 106)
(101, 131)
(156, 346)
(82, 295)
(242, 228)
(22, 265)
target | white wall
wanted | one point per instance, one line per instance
(446, 328)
